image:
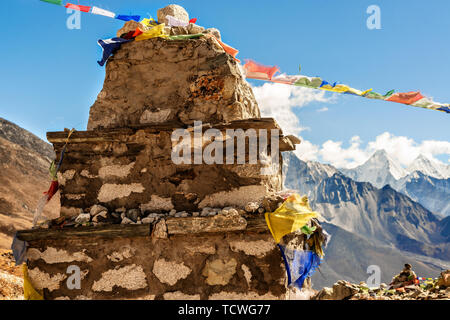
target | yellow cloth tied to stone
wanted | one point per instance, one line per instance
(291, 216)
(29, 292)
(155, 32)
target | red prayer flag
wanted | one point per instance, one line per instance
(137, 32)
(78, 7)
(258, 71)
(406, 97)
(193, 20)
(52, 190)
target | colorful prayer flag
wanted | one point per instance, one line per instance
(78, 7)
(291, 216)
(109, 47)
(405, 97)
(128, 18)
(300, 264)
(174, 22)
(149, 22)
(193, 20)
(186, 36)
(415, 99)
(258, 71)
(155, 32)
(57, 2)
(103, 12)
(230, 50)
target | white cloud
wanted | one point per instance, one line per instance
(333, 152)
(277, 101)
(307, 151)
(401, 149)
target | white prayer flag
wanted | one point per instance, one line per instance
(174, 22)
(103, 12)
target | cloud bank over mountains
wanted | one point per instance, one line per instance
(279, 101)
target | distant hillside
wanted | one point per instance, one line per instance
(24, 163)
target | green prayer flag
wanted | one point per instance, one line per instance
(52, 170)
(389, 93)
(186, 36)
(307, 230)
(57, 2)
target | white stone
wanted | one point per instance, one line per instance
(258, 248)
(173, 10)
(109, 192)
(102, 214)
(125, 220)
(83, 218)
(120, 171)
(219, 271)
(237, 197)
(178, 295)
(170, 272)
(247, 274)
(130, 277)
(159, 116)
(41, 280)
(52, 255)
(118, 256)
(251, 207)
(148, 220)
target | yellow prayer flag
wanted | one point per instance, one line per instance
(291, 216)
(29, 293)
(157, 31)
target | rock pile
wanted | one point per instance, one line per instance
(99, 215)
(344, 290)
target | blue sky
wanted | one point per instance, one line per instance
(50, 77)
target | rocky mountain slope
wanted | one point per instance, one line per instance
(24, 163)
(424, 181)
(432, 193)
(368, 222)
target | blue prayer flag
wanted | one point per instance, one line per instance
(299, 264)
(109, 47)
(128, 18)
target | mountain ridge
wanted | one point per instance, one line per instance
(24, 163)
(384, 216)
(427, 184)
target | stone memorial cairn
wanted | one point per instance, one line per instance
(146, 214)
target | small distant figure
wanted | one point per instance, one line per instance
(405, 278)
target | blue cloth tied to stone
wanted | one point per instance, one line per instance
(110, 46)
(300, 264)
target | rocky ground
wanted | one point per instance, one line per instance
(11, 282)
(430, 290)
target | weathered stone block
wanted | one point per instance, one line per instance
(133, 168)
(163, 81)
(225, 265)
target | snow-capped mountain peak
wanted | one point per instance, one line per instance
(429, 168)
(379, 169)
